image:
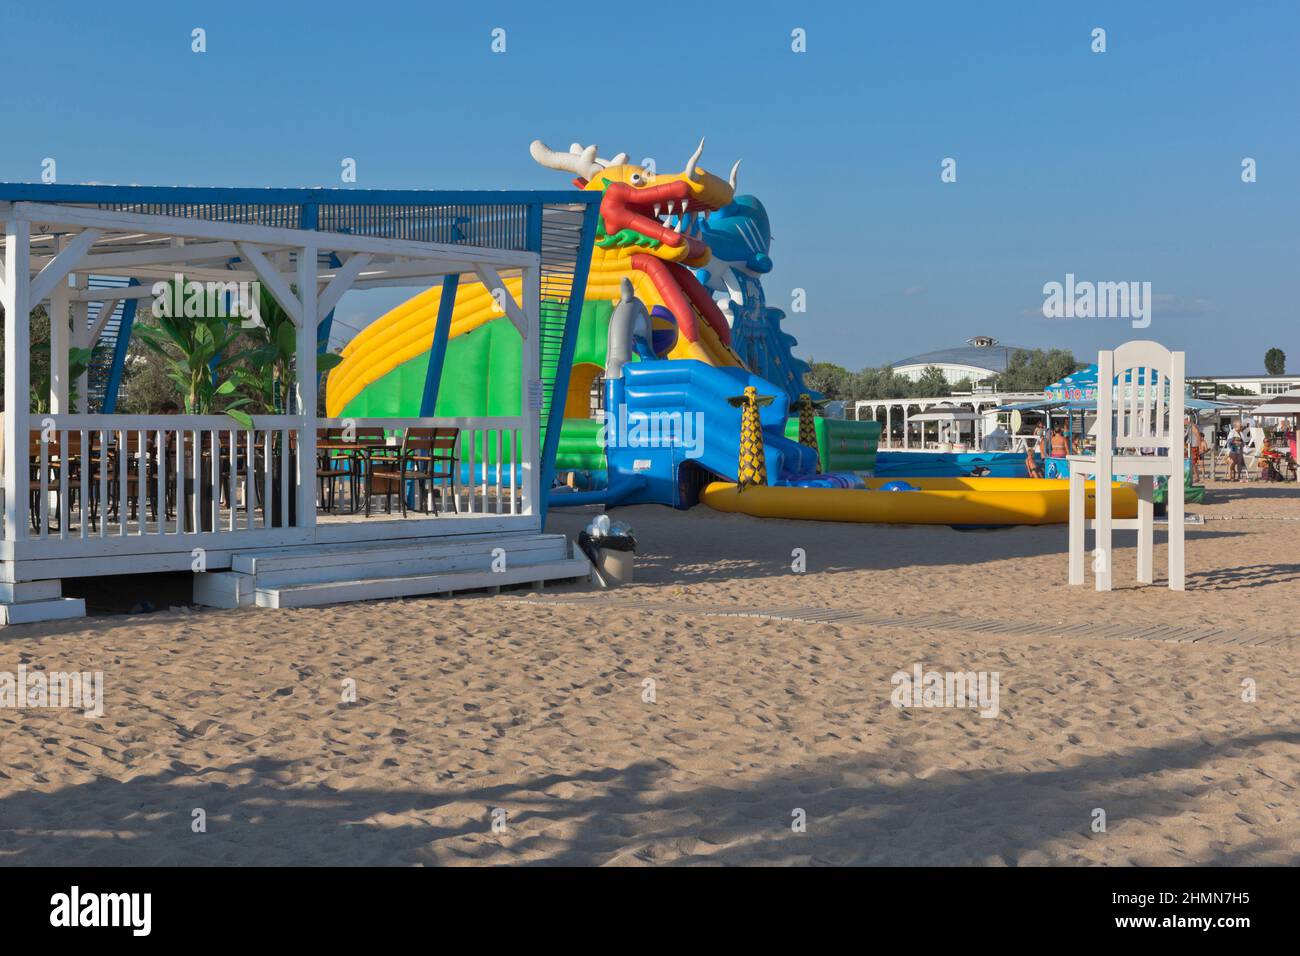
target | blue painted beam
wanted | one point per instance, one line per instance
(114, 383)
(438, 350)
(568, 347)
(533, 231)
(326, 325)
(62, 192)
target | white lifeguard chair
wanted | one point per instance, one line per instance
(1139, 407)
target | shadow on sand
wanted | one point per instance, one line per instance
(629, 814)
(1248, 576)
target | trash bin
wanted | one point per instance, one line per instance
(612, 555)
(615, 567)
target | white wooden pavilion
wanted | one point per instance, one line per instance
(911, 414)
(260, 538)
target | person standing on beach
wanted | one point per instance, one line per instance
(1236, 460)
(1196, 446)
(1060, 444)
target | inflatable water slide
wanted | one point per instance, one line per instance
(675, 333)
(656, 234)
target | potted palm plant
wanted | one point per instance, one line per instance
(199, 354)
(269, 376)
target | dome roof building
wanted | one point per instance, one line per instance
(980, 358)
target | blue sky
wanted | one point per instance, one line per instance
(1116, 166)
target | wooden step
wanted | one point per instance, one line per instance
(19, 591)
(51, 609)
(339, 556)
(370, 589)
(227, 589)
(279, 571)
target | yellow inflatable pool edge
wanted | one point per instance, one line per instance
(947, 501)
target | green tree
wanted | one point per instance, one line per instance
(147, 387)
(1275, 362)
(831, 380)
(883, 382)
(1032, 370)
(932, 382)
(39, 362)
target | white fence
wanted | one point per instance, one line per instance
(99, 476)
(97, 485)
(494, 473)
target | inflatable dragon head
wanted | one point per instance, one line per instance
(660, 214)
(651, 228)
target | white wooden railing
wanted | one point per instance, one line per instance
(174, 479)
(100, 476)
(494, 470)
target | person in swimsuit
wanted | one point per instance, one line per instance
(1032, 468)
(1060, 444)
(1196, 446)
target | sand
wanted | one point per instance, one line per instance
(485, 709)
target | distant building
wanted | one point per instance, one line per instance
(1207, 386)
(980, 358)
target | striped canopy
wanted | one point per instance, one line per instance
(1081, 386)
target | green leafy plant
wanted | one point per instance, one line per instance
(270, 373)
(203, 354)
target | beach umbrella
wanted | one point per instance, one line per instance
(1078, 386)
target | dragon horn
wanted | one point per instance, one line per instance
(732, 178)
(695, 158)
(580, 162)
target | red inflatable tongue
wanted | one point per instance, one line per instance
(684, 296)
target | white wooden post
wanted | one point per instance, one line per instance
(1103, 539)
(1078, 521)
(17, 302)
(1146, 532)
(60, 341)
(82, 337)
(1175, 492)
(305, 386)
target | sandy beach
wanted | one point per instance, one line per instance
(487, 729)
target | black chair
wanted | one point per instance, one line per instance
(427, 458)
(335, 465)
